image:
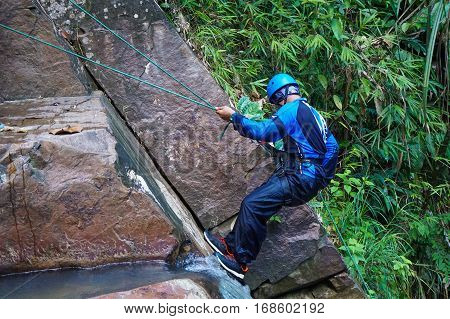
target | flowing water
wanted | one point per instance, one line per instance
(91, 282)
(229, 288)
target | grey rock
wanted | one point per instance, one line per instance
(224, 228)
(211, 177)
(30, 70)
(295, 254)
(171, 289)
(301, 294)
(340, 286)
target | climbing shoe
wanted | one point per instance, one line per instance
(231, 265)
(217, 243)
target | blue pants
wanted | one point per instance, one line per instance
(281, 189)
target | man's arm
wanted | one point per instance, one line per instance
(265, 131)
(270, 130)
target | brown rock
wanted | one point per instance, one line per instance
(340, 286)
(342, 281)
(31, 70)
(301, 294)
(295, 254)
(62, 202)
(69, 129)
(172, 289)
(212, 176)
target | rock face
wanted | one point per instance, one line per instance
(211, 176)
(62, 202)
(172, 289)
(29, 70)
(296, 254)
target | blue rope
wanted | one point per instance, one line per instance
(130, 76)
(138, 51)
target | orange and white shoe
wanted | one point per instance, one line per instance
(217, 243)
(231, 265)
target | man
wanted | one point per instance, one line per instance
(306, 165)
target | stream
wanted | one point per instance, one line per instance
(91, 282)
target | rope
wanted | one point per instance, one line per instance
(128, 75)
(341, 238)
(138, 51)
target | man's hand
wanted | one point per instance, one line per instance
(225, 112)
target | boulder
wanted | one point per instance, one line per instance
(211, 176)
(296, 253)
(172, 289)
(62, 199)
(30, 70)
(340, 286)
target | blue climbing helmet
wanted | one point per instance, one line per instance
(278, 82)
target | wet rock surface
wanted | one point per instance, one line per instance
(172, 289)
(62, 201)
(29, 70)
(211, 176)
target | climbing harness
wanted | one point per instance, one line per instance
(341, 238)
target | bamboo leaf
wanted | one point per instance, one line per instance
(430, 145)
(348, 188)
(323, 80)
(430, 49)
(405, 26)
(337, 102)
(336, 26)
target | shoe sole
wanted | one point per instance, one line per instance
(234, 273)
(211, 244)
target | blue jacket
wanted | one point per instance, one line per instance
(306, 129)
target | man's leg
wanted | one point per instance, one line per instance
(250, 229)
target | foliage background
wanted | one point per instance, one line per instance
(378, 70)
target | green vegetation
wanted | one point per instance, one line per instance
(252, 110)
(378, 70)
